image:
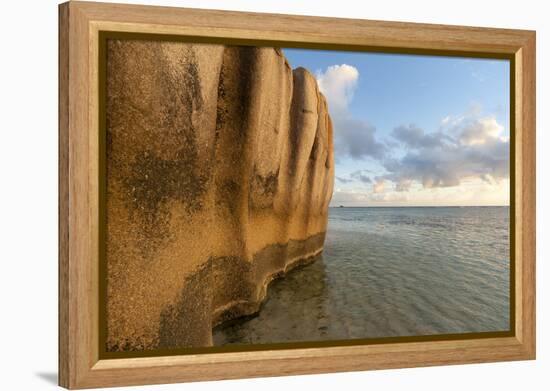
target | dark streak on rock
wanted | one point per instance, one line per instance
(224, 280)
(154, 125)
(154, 182)
(265, 187)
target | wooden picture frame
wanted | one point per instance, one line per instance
(80, 24)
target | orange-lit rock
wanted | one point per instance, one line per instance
(220, 169)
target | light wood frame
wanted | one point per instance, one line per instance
(79, 27)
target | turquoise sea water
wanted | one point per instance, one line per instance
(389, 272)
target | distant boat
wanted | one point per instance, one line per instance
(341, 206)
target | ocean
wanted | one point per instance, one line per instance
(389, 272)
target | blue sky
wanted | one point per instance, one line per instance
(415, 130)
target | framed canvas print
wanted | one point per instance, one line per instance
(251, 195)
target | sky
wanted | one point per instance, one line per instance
(415, 130)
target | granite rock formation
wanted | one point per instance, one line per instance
(220, 169)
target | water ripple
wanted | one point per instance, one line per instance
(392, 272)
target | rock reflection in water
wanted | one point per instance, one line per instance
(294, 310)
(390, 272)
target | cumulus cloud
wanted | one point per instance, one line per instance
(414, 137)
(472, 148)
(361, 175)
(352, 137)
(480, 131)
(356, 138)
(403, 184)
(338, 84)
(464, 147)
(344, 180)
(379, 186)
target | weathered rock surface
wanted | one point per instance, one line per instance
(219, 175)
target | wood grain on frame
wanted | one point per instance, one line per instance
(79, 243)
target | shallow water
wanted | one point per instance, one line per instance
(391, 272)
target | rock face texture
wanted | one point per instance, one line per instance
(219, 175)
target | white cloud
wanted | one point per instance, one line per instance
(403, 184)
(338, 84)
(480, 131)
(352, 136)
(378, 186)
(471, 192)
(420, 167)
(472, 147)
(343, 197)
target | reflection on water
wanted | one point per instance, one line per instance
(278, 320)
(391, 272)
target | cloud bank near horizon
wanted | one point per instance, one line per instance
(467, 153)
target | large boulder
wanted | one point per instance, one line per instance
(220, 169)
